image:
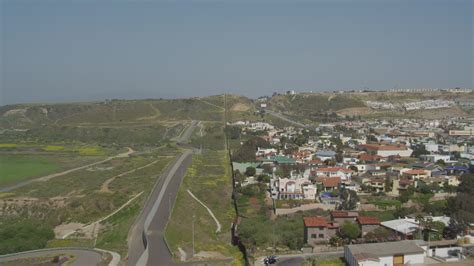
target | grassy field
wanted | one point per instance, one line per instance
(14, 169)
(209, 179)
(77, 197)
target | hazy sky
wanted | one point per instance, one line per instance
(74, 50)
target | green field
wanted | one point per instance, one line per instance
(14, 169)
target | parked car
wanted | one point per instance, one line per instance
(270, 260)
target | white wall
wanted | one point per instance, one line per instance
(442, 252)
(415, 258)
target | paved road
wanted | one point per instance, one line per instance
(83, 256)
(184, 138)
(158, 209)
(282, 117)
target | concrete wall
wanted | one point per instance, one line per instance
(326, 235)
(442, 252)
(414, 258)
(368, 228)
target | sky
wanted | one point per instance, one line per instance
(80, 50)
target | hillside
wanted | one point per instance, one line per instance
(315, 106)
(114, 121)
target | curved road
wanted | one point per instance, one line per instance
(82, 256)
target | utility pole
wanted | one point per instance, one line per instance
(194, 216)
(169, 203)
(274, 248)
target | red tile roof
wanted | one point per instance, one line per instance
(368, 220)
(329, 181)
(369, 157)
(343, 214)
(382, 147)
(415, 172)
(333, 169)
(317, 221)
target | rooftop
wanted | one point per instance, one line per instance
(376, 250)
(368, 220)
(403, 226)
(317, 221)
(344, 214)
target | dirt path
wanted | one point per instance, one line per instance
(93, 228)
(211, 104)
(121, 155)
(48, 177)
(219, 226)
(105, 186)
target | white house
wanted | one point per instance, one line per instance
(292, 188)
(344, 173)
(265, 152)
(384, 254)
(386, 150)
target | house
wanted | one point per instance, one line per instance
(328, 183)
(386, 150)
(404, 228)
(278, 159)
(367, 224)
(344, 173)
(292, 188)
(433, 158)
(343, 216)
(384, 254)
(376, 183)
(369, 158)
(265, 152)
(325, 155)
(318, 230)
(415, 174)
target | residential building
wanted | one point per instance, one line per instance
(342, 216)
(344, 173)
(384, 254)
(292, 188)
(328, 183)
(318, 230)
(386, 150)
(368, 224)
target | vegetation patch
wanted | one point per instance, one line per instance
(23, 235)
(16, 168)
(209, 179)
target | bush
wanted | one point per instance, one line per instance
(350, 230)
(24, 235)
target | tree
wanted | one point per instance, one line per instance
(263, 178)
(250, 171)
(267, 168)
(233, 132)
(246, 152)
(441, 162)
(380, 234)
(353, 168)
(372, 138)
(419, 150)
(350, 230)
(460, 207)
(349, 200)
(406, 195)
